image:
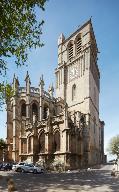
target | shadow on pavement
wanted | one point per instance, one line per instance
(93, 180)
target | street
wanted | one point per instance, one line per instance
(99, 180)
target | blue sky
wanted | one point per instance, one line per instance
(65, 16)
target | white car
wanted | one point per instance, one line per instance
(27, 167)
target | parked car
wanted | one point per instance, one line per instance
(5, 166)
(27, 167)
(1, 165)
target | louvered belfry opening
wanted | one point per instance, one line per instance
(78, 45)
(70, 51)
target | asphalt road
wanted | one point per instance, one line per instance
(84, 181)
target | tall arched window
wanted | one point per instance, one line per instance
(73, 92)
(42, 143)
(56, 141)
(23, 146)
(46, 111)
(70, 50)
(78, 44)
(34, 112)
(34, 109)
(23, 110)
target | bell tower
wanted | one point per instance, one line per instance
(77, 74)
(78, 79)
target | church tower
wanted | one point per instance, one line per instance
(77, 75)
(78, 79)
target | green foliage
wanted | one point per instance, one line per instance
(113, 147)
(6, 92)
(20, 31)
(2, 144)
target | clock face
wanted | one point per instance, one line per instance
(73, 72)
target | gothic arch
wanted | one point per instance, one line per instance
(34, 109)
(23, 108)
(23, 145)
(78, 44)
(42, 142)
(56, 141)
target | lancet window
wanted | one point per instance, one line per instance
(23, 110)
(56, 141)
(42, 143)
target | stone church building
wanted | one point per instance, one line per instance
(65, 128)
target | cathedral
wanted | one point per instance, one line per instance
(65, 128)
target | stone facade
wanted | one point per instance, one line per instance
(67, 128)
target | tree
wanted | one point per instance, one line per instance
(3, 144)
(20, 31)
(113, 147)
(6, 92)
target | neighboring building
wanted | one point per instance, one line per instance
(66, 128)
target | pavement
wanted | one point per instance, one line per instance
(92, 180)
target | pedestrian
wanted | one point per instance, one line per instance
(11, 185)
(113, 172)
